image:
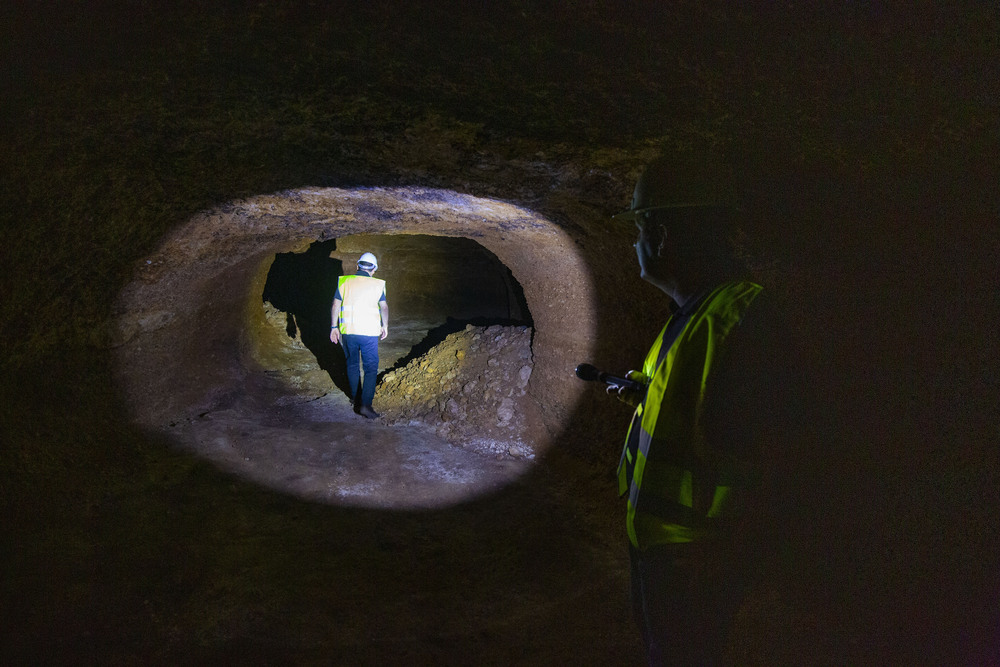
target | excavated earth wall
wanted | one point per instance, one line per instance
(472, 388)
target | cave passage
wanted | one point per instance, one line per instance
(436, 285)
(223, 343)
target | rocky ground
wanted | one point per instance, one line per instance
(471, 389)
(455, 421)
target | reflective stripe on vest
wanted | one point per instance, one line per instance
(677, 488)
(359, 305)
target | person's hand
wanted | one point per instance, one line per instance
(630, 396)
(335, 335)
(385, 332)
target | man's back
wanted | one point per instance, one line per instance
(359, 311)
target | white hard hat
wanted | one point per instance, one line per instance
(368, 262)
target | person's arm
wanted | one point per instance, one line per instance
(334, 321)
(383, 309)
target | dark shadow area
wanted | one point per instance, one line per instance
(431, 278)
(517, 305)
(303, 285)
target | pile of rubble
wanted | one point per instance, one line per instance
(471, 389)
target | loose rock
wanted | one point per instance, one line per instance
(455, 388)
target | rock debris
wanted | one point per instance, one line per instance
(471, 388)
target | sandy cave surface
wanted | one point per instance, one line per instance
(317, 448)
(191, 328)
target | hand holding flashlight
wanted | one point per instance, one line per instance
(591, 374)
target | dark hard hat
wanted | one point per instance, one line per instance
(683, 183)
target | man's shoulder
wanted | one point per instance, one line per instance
(761, 356)
(730, 300)
(361, 278)
(762, 332)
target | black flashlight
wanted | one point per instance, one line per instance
(591, 374)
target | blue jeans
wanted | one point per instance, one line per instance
(367, 347)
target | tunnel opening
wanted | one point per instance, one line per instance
(214, 352)
(438, 285)
(458, 355)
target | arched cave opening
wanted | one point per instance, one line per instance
(460, 332)
(490, 310)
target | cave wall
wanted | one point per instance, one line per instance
(863, 140)
(434, 278)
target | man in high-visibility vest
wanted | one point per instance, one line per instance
(360, 318)
(686, 472)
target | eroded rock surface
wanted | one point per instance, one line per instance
(471, 388)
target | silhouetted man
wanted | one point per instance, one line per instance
(360, 318)
(686, 466)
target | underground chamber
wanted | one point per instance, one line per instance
(220, 343)
(458, 355)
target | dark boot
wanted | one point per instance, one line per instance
(367, 412)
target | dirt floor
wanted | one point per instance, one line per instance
(317, 448)
(293, 429)
(187, 563)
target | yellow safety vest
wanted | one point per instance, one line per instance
(359, 305)
(678, 488)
